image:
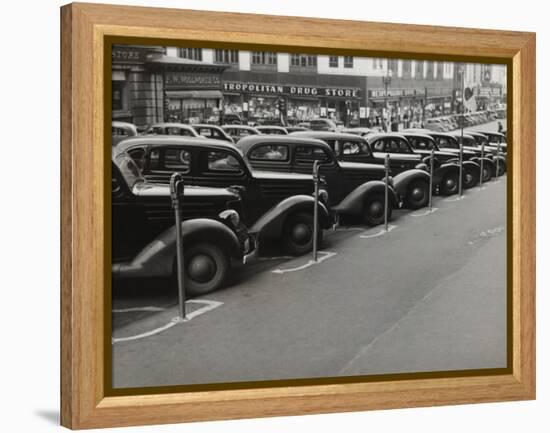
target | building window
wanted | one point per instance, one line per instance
(348, 62)
(406, 69)
(190, 53)
(440, 71)
(430, 71)
(333, 61)
(303, 61)
(264, 58)
(392, 66)
(419, 70)
(226, 56)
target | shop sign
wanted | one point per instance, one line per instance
(191, 79)
(128, 55)
(278, 89)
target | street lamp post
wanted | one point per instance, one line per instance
(387, 82)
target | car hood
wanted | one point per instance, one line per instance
(143, 189)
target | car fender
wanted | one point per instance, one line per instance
(402, 181)
(270, 224)
(501, 161)
(157, 258)
(353, 203)
(486, 162)
(443, 170)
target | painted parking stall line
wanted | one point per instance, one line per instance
(208, 306)
(324, 256)
(424, 213)
(381, 232)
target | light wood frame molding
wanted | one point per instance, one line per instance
(83, 222)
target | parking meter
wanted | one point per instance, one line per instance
(176, 193)
(481, 168)
(316, 165)
(432, 154)
(386, 187)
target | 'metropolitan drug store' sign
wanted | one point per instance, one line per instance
(277, 89)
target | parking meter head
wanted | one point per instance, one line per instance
(176, 186)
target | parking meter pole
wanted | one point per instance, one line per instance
(315, 207)
(176, 192)
(497, 158)
(386, 187)
(432, 154)
(461, 156)
(481, 168)
(460, 161)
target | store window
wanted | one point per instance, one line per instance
(264, 58)
(348, 61)
(333, 61)
(120, 93)
(230, 57)
(190, 53)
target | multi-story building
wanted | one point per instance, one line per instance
(200, 84)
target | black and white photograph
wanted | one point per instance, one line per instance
(284, 216)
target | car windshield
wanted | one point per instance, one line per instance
(129, 170)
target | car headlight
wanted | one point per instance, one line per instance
(230, 216)
(323, 195)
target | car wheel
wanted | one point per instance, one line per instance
(298, 234)
(373, 210)
(417, 194)
(470, 178)
(206, 268)
(501, 169)
(487, 174)
(449, 184)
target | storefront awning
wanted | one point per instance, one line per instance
(194, 94)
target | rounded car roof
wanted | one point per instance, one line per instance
(245, 143)
(160, 140)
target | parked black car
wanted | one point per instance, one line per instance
(447, 180)
(275, 206)
(212, 131)
(144, 235)
(409, 172)
(353, 189)
(171, 128)
(236, 132)
(121, 131)
(474, 140)
(449, 143)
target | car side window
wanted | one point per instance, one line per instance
(177, 160)
(138, 155)
(221, 161)
(306, 155)
(270, 152)
(179, 131)
(379, 146)
(354, 147)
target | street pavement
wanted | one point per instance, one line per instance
(429, 295)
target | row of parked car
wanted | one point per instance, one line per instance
(452, 121)
(246, 188)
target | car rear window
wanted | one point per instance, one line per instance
(270, 152)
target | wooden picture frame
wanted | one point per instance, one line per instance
(84, 218)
